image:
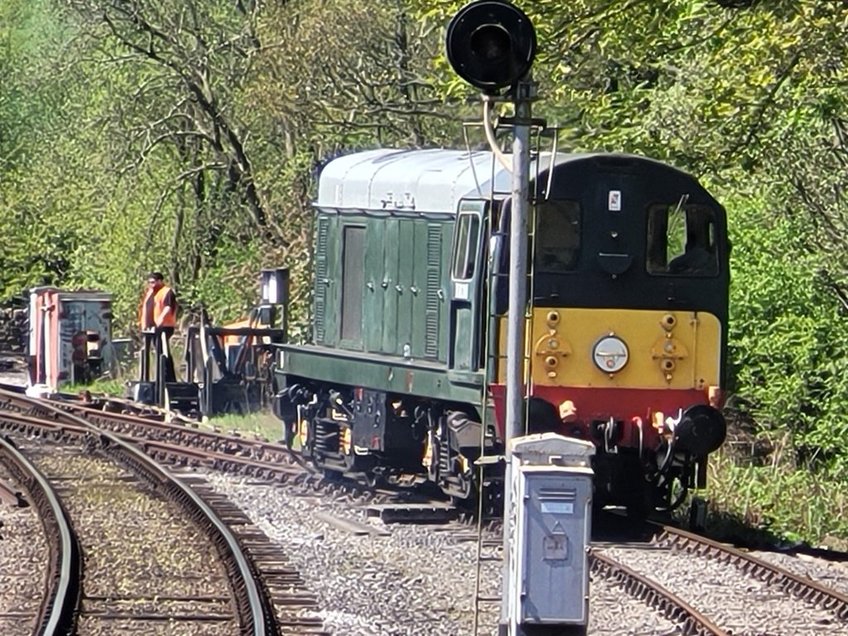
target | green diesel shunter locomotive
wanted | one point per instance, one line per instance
(626, 319)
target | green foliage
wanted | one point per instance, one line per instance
(344, 75)
(229, 287)
(99, 387)
(36, 243)
(788, 344)
(261, 424)
(791, 504)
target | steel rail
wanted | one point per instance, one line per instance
(180, 430)
(690, 620)
(58, 609)
(255, 609)
(260, 621)
(214, 458)
(800, 587)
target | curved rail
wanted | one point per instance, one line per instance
(691, 621)
(803, 588)
(254, 608)
(174, 451)
(253, 603)
(184, 432)
(58, 610)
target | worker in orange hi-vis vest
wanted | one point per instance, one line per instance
(158, 312)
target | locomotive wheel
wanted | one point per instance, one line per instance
(460, 489)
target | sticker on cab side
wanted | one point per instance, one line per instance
(614, 201)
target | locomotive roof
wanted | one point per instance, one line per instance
(432, 180)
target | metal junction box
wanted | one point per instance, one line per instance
(550, 530)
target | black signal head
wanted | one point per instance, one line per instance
(491, 44)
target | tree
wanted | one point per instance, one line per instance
(34, 112)
(188, 153)
(197, 54)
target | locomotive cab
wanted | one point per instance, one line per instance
(628, 297)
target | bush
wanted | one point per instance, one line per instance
(788, 350)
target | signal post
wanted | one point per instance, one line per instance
(491, 44)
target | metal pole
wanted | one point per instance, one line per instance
(515, 346)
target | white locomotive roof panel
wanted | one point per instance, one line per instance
(409, 180)
(422, 181)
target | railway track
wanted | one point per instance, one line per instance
(61, 574)
(267, 595)
(689, 620)
(176, 443)
(710, 588)
(185, 443)
(802, 588)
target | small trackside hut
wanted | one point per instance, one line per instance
(70, 338)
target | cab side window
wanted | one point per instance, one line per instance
(465, 247)
(681, 240)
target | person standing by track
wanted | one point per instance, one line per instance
(158, 317)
